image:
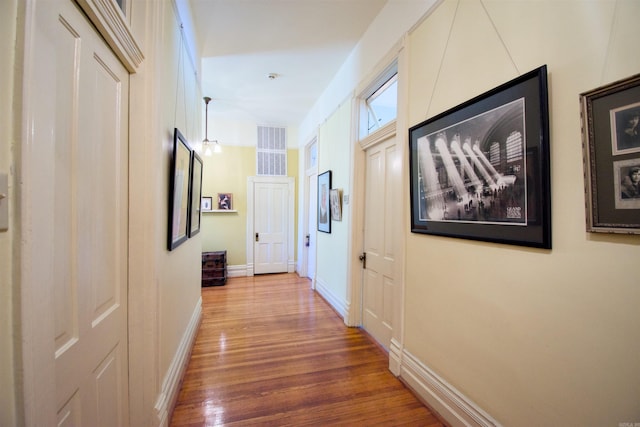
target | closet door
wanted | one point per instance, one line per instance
(78, 210)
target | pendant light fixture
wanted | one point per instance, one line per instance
(205, 142)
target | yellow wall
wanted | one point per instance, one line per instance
(227, 172)
(534, 337)
(8, 416)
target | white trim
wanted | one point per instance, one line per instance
(395, 357)
(456, 408)
(251, 181)
(171, 383)
(111, 23)
(236, 271)
(339, 305)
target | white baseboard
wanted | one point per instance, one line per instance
(442, 397)
(237, 271)
(247, 271)
(171, 382)
(395, 357)
(338, 304)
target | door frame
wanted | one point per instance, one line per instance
(309, 170)
(284, 180)
(397, 55)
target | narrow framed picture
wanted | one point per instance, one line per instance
(480, 170)
(206, 204)
(324, 213)
(335, 196)
(195, 194)
(225, 201)
(179, 191)
(611, 147)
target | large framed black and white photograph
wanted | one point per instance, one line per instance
(179, 191)
(324, 212)
(480, 170)
(611, 146)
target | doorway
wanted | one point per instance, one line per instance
(75, 252)
(381, 216)
(311, 211)
(270, 219)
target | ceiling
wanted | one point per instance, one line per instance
(301, 43)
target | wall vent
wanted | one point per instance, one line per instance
(271, 151)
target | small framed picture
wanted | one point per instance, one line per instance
(335, 197)
(324, 214)
(225, 201)
(611, 147)
(207, 203)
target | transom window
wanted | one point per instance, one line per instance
(382, 105)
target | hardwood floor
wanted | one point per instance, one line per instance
(272, 352)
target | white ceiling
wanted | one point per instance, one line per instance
(304, 42)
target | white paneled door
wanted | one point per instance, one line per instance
(271, 227)
(312, 225)
(79, 177)
(382, 200)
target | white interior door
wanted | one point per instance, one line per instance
(271, 227)
(382, 198)
(312, 185)
(80, 178)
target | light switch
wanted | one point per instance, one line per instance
(4, 202)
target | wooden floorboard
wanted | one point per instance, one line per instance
(271, 352)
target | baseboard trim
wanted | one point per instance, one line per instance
(340, 306)
(395, 357)
(442, 397)
(171, 383)
(237, 271)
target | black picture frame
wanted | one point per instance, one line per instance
(179, 191)
(195, 194)
(481, 170)
(324, 210)
(611, 151)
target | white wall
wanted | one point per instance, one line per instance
(334, 138)
(534, 337)
(8, 16)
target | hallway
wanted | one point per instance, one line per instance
(270, 351)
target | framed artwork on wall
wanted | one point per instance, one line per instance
(195, 194)
(207, 203)
(480, 170)
(225, 201)
(179, 191)
(324, 213)
(611, 147)
(335, 196)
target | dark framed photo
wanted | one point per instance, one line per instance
(324, 212)
(611, 147)
(480, 170)
(335, 198)
(195, 194)
(225, 201)
(179, 191)
(207, 203)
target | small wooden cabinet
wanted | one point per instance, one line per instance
(214, 268)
